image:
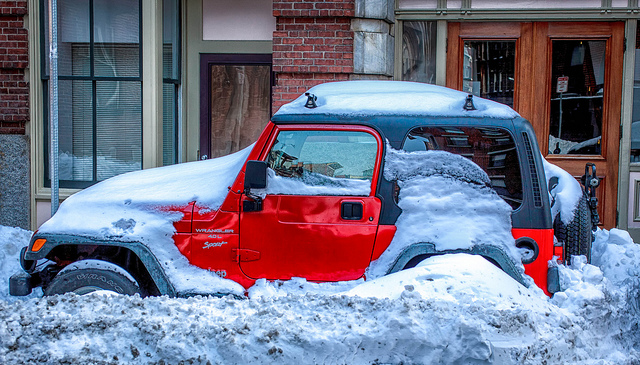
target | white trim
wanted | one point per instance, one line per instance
(624, 193)
(151, 39)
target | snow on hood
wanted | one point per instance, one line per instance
(565, 196)
(445, 200)
(360, 98)
(126, 205)
(129, 207)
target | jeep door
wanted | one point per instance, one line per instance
(319, 213)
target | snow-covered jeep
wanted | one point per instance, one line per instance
(350, 180)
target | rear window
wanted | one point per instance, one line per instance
(493, 149)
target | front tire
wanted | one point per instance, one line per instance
(83, 280)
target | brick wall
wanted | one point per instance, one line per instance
(14, 60)
(312, 44)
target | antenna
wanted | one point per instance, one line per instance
(311, 101)
(468, 104)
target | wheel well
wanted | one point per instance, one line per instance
(63, 255)
(419, 258)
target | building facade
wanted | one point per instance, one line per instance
(145, 83)
(14, 115)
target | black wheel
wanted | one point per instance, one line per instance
(577, 236)
(83, 279)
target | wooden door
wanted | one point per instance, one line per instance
(576, 124)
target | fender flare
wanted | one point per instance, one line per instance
(497, 254)
(145, 255)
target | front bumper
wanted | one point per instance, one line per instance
(20, 284)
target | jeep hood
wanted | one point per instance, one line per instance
(128, 205)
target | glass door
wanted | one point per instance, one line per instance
(564, 77)
(578, 101)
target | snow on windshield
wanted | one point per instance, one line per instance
(450, 195)
(453, 309)
(313, 184)
(565, 196)
(367, 98)
(128, 207)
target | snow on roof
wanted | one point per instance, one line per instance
(401, 98)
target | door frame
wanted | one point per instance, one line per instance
(209, 59)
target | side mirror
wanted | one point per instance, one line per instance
(255, 175)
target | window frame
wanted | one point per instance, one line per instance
(264, 155)
(176, 82)
(448, 133)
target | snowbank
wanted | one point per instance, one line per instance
(12, 240)
(444, 192)
(454, 309)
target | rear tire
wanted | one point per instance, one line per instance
(577, 236)
(86, 280)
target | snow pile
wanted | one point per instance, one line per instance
(451, 196)
(564, 196)
(12, 240)
(369, 98)
(454, 309)
(129, 208)
(473, 275)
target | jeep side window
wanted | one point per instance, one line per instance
(323, 158)
(493, 149)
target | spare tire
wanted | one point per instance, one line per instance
(577, 236)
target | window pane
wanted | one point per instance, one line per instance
(347, 155)
(239, 106)
(576, 111)
(419, 51)
(75, 131)
(170, 39)
(492, 149)
(119, 127)
(73, 38)
(116, 36)
(169, 124)
(489, 70)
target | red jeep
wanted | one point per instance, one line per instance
(332, 141)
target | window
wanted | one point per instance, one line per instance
(490, 148)
(100, 116)
(489, 70)
(171, 80)
(419, 51)
(635, 122)
(330, 159)
(577, 106)
(238, 101)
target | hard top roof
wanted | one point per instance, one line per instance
(364, 99)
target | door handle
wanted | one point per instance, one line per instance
(351, 210)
